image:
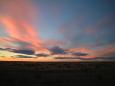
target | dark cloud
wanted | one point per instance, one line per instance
(2, 49)
(110, 58)
(110, 55)
(57, 50)
(24, 51)
(22, 56)
(42, 55)
(80, 54)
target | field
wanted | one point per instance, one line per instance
(57, 73)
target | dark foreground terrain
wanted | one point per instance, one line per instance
(57, 73)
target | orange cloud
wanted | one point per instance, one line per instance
(17, 17)
(105, 52)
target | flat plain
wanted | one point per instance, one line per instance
(57, 73)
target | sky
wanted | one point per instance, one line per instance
(81, 25)
(71, 20)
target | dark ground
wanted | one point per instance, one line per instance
(57, 73)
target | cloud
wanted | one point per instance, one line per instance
(80, 54)
(81, 50)
(18, 17)
(57, 50)
(108, 51)
(42, 55)
(24, 51)
(110, 58)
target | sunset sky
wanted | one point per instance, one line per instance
(86, 26)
